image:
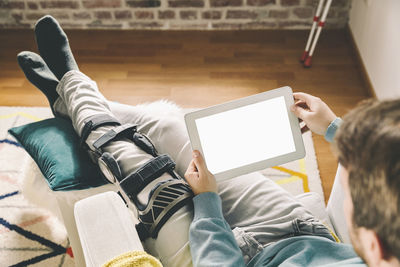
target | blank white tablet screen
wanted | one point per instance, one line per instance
(245, 135)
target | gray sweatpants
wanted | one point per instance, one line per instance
(259, 211)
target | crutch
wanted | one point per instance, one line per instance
(321, 23)
(310, 36)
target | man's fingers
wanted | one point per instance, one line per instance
(303, 96)
(199, 161)
(190, 170)
(192, 167)
(302, 104)
(300, 112)
(192, 179)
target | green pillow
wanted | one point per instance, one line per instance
(54, 146)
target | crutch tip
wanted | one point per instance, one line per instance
(307, 62)
(304, 57)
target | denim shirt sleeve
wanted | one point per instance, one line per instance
(212, 242)
(332, 128)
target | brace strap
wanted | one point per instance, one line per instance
(151, 170)
(166, 199)
(142, 231)
(95, 122)
(121, 130)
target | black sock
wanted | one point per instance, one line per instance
(39, 74)
(53, 46)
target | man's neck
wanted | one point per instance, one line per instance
(392, 262)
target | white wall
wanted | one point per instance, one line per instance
(375, 25)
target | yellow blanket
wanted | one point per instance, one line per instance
(133, 259)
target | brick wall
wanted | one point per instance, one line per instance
(171, 14)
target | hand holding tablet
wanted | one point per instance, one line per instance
(248, 134)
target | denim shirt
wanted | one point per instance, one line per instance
(212, 242)
(332, 128)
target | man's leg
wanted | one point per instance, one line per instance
(166, 129)
(84, 101)
(54, 48)
(163, 247)
(162, 121)
(37, 72)
(129, 158)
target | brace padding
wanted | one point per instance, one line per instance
(144, 143)
(109, 167)
(147, 173)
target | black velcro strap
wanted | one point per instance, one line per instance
(114, 133)
(142, 231)
(150, 171)
(94, 123)
(186, 201)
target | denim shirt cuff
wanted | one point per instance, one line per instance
(207, 205)
(332, 128)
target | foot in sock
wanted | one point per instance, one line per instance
(39, 74)
(54, 47)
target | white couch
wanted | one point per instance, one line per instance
(106, 227)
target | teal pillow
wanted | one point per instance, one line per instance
(54, 146)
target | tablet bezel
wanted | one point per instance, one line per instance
(287, 93)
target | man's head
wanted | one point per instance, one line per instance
(368, 147)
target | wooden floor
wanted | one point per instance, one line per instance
(198, 69)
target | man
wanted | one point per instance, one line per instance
(368, 147)
(258, 211)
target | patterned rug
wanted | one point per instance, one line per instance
(30, 235)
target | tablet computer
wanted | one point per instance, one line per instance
(248, 134)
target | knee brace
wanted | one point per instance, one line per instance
(165, 198)
(127, 130)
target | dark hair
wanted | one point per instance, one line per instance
(368, 146)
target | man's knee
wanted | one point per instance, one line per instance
(167, 195)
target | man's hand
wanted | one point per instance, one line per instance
(313, 111)
(198, 177)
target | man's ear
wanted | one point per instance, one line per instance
(373, 246)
